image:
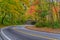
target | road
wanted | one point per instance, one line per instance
(1, 38)
(21, 33)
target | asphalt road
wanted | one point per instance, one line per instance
(21, 33)
(1, 38)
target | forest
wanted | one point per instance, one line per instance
(46, 13)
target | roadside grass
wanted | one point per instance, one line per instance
(2, 26)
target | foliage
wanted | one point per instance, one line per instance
(11, 12)
(56, 25)
(49, 24)
(43, 12)
(48, 13)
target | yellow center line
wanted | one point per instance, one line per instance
(36, 35)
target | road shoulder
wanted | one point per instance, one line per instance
(48, 30)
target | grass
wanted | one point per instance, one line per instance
(1, 26)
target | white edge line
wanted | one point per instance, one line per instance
(4, 34)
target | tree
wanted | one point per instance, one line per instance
(12, 11)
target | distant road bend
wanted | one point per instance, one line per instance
(21, 33)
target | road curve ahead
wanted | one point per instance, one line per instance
(21, 33)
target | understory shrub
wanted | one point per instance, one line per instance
(48, 24)
(56, 25)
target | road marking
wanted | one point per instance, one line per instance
(26, 33)
(4, 34)
(36, 35)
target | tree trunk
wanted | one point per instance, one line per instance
(54, 10)
(2, 22)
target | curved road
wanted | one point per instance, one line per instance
(1, 36)
(21, 33)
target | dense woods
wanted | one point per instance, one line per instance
(46, 13)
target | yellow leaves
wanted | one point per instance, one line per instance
(16, 1)
(13, 11)
(20, 7)
(11, 6)
(1, 0)
(26, 2)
